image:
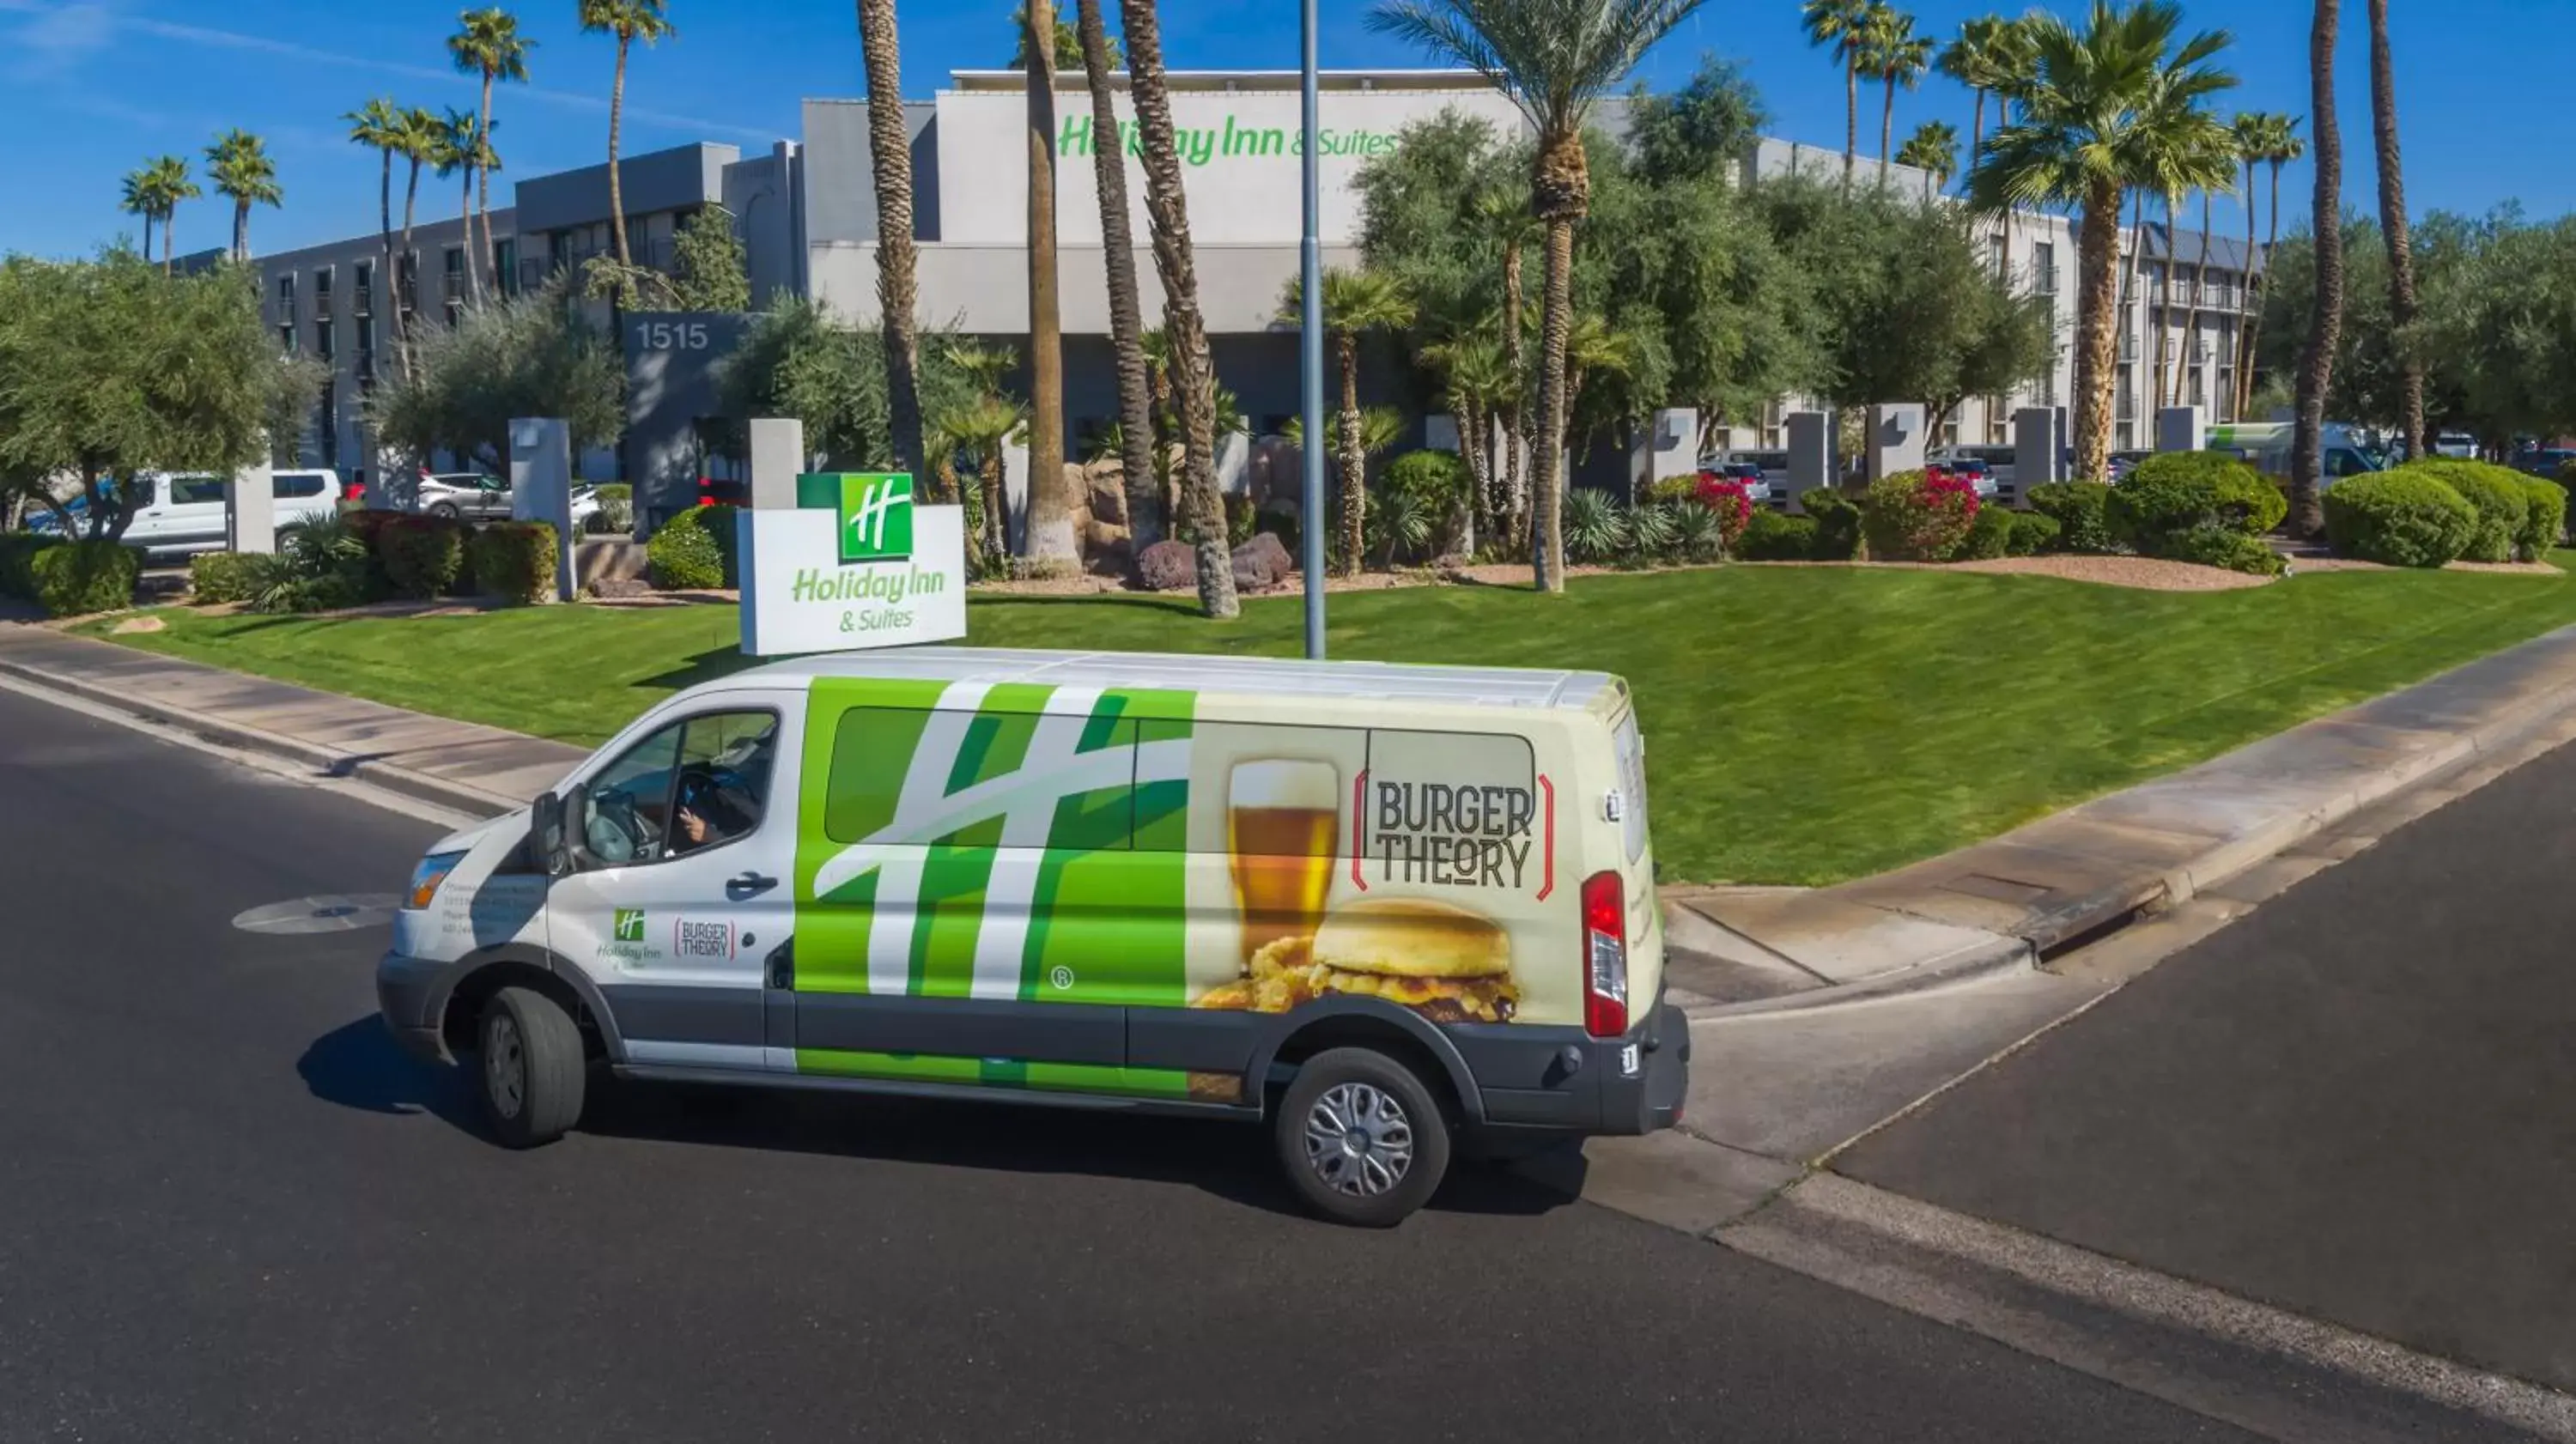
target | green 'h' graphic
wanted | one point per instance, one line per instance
(630, 925)
(876, 517)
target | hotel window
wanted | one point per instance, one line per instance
(365, 277)
(2044, 267)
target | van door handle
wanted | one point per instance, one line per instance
(748, 884)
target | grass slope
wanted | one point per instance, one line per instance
(1804, 725)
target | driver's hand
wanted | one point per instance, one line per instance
(692, 828)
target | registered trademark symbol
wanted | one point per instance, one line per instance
(1061, 976)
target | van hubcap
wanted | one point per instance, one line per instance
(505, 1066)
(1358, 1139)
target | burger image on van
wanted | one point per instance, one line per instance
(1442, 961)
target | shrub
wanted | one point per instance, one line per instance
(319, 566)
(2400, 519)
(608, 491)
(2032, 533)
(1676, 488)
(2233, 551)
(1418, 504)
(1913, 517)
(1592, 527)
(2544, 523)
(2080, 509)
(719, 523)
(515, 561)
(1989, 536)
(1731, 501)
(681, 557)
(18, 552)
(76, 578)
(1645, 533)
(215, 578)
(2502, 503)
(1699, 532)
(1838, 529)
(2174, 493)
(1777, 537)
(421, 555)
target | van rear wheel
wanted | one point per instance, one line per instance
(528, 1068)
(1364, 1142)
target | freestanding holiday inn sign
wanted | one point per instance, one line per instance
(856, 563)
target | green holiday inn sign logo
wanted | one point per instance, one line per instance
(875, 511)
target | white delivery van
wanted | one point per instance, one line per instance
(181, 514)
(2266, 446)
(1381, 909)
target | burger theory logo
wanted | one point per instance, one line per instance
(1448, 835)
(876, 518)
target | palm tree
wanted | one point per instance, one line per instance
(421, 137)
(1145, 523)
(1934, 150)
(898, 287)
(2016, 70)
(2392, 225)
(2325, 318)
(1068, 44)
(1504, 213)
(629, 21)
(1595, 348)
(487, 43)
(1976, 60)
(1838, 26)
(2111, 108)
(1049, 535)
(464, 149)
(982, 428)
(169, 183)
(1193, 378)
(1893, 55)
(1476, 383)
(141, 199)
(378, 125)
(239, 165)
(2282, 145)
(1355, 303)
(1555, 58)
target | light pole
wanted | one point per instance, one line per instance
(1310, 355)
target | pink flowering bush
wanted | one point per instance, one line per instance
(1731, 501)
(1915, 517)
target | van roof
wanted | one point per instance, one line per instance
(1240, 676)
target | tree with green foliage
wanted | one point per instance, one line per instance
(1355, 304)
(711, 271)
(1933, 149)
(1893, 55)
(523, 355)
(1702, 129)
(798, 360)
(238, 164)
(108, 367)
(487, 43)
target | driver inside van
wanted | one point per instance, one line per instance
(710, 809)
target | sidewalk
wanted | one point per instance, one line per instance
(478, 770)
(2000, 905)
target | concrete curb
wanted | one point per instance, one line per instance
(1966, 965)
(328, 761)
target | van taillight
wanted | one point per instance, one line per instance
(1605, 956)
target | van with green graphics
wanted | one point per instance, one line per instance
(1381, 908)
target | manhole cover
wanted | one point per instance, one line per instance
(335, 913)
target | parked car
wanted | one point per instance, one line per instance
(1999, 463)
(475, 497)
(2545, 461)
(180, 514)
(2455, 444)
(1771, 466)
(1757, 485)
(1969, 468)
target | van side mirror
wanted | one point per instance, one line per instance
(546, 840)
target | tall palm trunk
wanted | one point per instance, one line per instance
(898, 288)
(241, 228)
(2199, 282)
(1886, 126)
(2132, 288)
(1851, 116)
(2244, 338)
(1473, 429)
(2271, 242)
(472, 286)
(406, 287)
(1515, 416)
(389, 280)
(2160, 312)
(1977, 129)
(1185, 331)
(483, 173)
(1353, 461)
(147, 238)
(2097, 332)
(989, 479)
(2392, 224)
(1145, 517)
(1049, 535)
(2325, 328)
(1556, 326)
(616, 185)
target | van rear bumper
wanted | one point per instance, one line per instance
(1565, 1080)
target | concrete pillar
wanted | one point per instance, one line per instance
(541, 487)
(2182, 428)
(1811, 451)
(2037, 459)
(250, 508)
(1667, 446)
(1895, 441)
(777, 459)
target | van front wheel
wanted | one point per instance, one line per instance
(1363, 1141)
(528, 1068)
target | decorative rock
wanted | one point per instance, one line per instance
(620, 588)
(1106, 485)
(1168, 566)
(1109, 549)
(1261, 563)
(133, 626)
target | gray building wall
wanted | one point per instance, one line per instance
(672, 362)
(839, 177)
(767, 197)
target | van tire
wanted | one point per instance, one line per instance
(528, 1068)
(1363, 1140)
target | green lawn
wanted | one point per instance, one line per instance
(1805, 725)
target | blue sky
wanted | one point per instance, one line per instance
(101, 85)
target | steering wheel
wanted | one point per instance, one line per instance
(616, 832)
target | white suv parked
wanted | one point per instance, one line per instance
(179, 514)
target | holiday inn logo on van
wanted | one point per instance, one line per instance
(630, 925)
(876, 517)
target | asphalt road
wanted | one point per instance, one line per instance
(230, 1210)
(2358, 1103)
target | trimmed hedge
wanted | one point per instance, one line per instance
(18, 551)
(2544, 523)
(1837, 519)
(719, 523)
(1773, 536)
(515, 561)
(77, 578)
(1990, 536)
(2032, 533)
(2232, 551)
(421, 555)
(682, 557)
(2503, 504)
(2174, 493)
(2080, 509)
(2397, 518)
(215, 578)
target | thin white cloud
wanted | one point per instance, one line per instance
(72, 32)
